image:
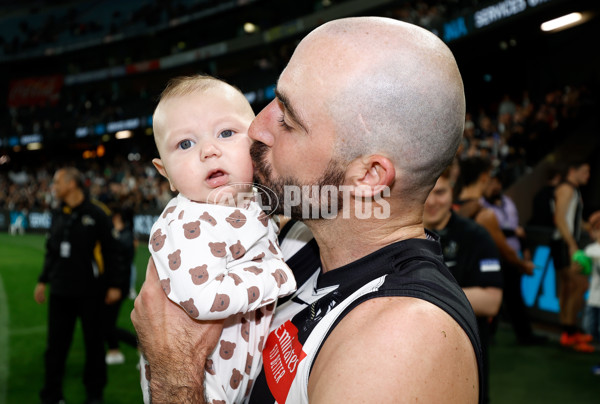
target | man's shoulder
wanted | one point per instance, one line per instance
(96, 206)
(389, 319)
(396, 335)
(398, 312)
(564, 189)
(469, 228)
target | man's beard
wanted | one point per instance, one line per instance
(332, 177)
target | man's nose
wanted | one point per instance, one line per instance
(261, 129)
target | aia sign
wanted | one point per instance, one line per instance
(539, 289)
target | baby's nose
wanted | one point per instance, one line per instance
(210, 149)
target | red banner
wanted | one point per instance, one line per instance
(35, 91)
(281, 356)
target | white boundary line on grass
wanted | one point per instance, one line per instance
(4, 343)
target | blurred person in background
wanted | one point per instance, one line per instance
(572, 284)
(472, 257)
(475, 174)
(542, 212)
(18, 220)
(84, 272)
(122, 219)
(507, 215)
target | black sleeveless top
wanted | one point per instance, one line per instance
(409, 268)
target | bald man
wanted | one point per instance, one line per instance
(374, 108)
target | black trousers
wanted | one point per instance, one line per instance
(115, 334)
(62, 316)
(513, 305)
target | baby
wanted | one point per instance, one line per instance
(215, 250)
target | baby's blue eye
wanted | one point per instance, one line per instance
(186, 144)
(226, 133)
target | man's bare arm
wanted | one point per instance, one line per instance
(562, 196)
(485, 301)
(175, 345)
(488, 219)
(395, 350)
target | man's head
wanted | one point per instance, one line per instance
(67, 182)
(578, 173)
(475, 171)
(438, 205)
(375, 101)
(201, 133)
(495, 186)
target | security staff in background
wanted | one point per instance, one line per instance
(82, 269)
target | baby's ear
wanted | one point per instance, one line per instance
(161, 169)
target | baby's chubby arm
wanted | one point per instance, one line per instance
(216, 261)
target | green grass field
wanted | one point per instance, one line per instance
(23, 332)
(527, 375)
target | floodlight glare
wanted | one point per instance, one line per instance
(562, 22)
(123, 134)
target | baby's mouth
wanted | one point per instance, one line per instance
(217, 178)
(215, 174)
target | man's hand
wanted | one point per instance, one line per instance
(39, 294)
(113, 295)
(572, 250)
(528, 267)
(175, 345)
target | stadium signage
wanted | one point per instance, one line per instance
(33, 138)
(142, 223)
(82, 131)
(40, 220)
(502, 10)
(455, 29)
(132, 123)
(539, 289)
(35, 91)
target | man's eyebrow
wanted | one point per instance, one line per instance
(288, 107)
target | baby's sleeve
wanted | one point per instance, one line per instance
(216, 261)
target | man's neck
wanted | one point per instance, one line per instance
(74, 198)
(573, 181)
(470, 192)
(342, 241)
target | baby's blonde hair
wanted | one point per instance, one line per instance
(184, 85)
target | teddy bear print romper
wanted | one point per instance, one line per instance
(222, 262)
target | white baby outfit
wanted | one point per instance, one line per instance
(222, 262)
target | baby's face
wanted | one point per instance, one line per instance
(203, 142)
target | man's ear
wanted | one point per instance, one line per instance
(370, 175)
(161, 169)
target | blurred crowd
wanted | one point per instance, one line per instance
(515, 133)
(135, 185)
(69, 21)
(117, 99)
